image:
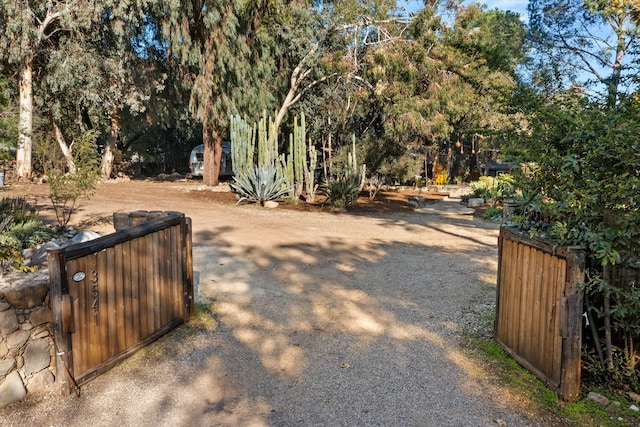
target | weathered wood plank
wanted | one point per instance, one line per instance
(112, 308)
(188, 254)
(119, 301)
(103, 305)
(62, 339)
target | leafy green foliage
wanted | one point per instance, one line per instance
(8, 119)
(260, 184)
(20, 228)
(66, 189)
(342, 192)
(585, 43)
(583, 190)
(494, 189)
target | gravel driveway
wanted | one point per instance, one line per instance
(316, 319)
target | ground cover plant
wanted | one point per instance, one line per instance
(20, 228)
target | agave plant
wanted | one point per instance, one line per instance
(259, 185)
(342, 192)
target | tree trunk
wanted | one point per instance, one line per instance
(616, 73)
(110, 147)
(212, 154)
(607, 317)
(66, 149)
(23, 155)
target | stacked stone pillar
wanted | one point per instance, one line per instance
(27, 351)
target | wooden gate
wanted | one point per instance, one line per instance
(113, 295)
(539, 308)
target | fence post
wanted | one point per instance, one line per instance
(572, 324)
(62, 338)
(188, 274)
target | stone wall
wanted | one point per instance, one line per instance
(27, 351)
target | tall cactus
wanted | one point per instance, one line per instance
(267, 141)
(299, 166)
(259, 145)
(242, 137)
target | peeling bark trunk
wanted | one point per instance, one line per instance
(110, 147)
(66, 149)
(23, 155)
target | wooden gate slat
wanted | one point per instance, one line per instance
(103, 305)
(112, 303)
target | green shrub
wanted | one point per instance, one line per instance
(31, 233)
(493, 214)
(342, 192)
(19, 229)
(581, 188)
(17, 209)
(66, 189)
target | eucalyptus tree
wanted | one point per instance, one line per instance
(97, 75)
(29, 31)
(223, 62)
(592, 43)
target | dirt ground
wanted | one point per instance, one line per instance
(316, 318)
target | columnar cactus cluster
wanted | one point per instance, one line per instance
(258, 145)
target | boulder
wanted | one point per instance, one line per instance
(31, 294)
(37, 356)
(84, 236)
(12, 389)
(40, 256)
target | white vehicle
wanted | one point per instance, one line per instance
(196, 160)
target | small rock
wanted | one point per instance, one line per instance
(413, 204)
(17, 339)
(40, 315)
(8, 322)
(632, 395)
(84, 236)
(501, 422)
(598, 398)
(475, 202)
(271, 204)
(6, 366)
(634, 408)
